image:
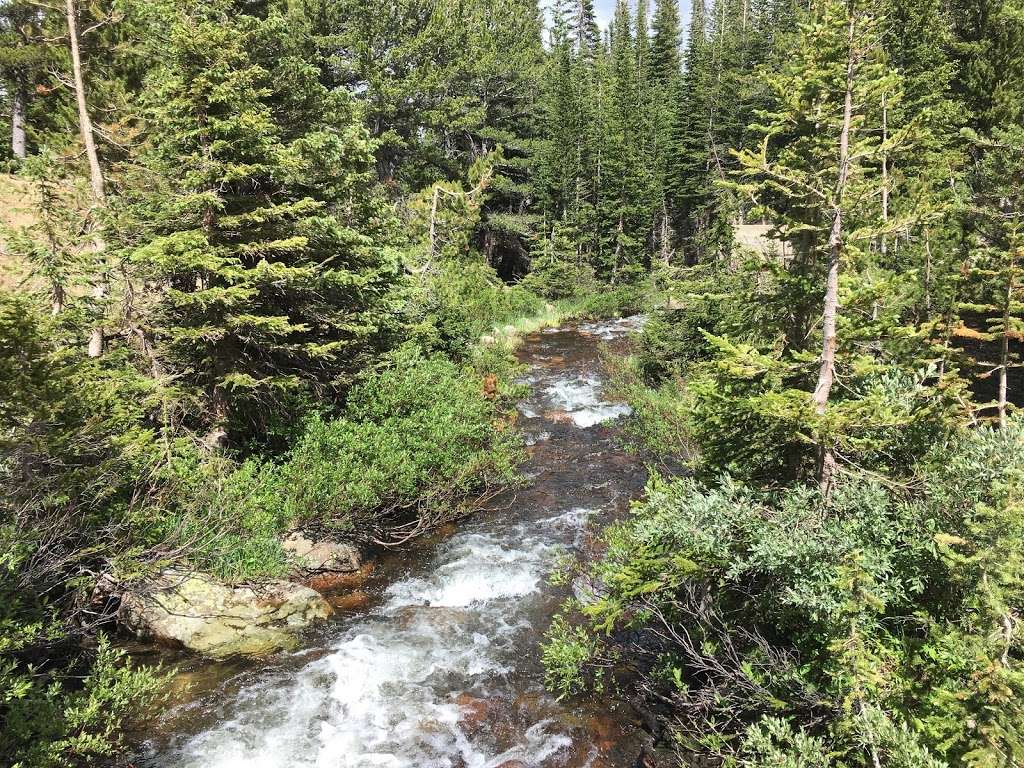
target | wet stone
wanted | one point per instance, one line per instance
(328, 583)
(351, 601)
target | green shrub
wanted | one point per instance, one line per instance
(673, 338)
(707, 299)
(223, 517)
(412, 440)
(660, 422)
(463, 301)
(787, 629)
(746, 419)
(61, 704)
(557, 279)
(618, 301)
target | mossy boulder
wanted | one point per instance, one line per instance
(218, 620)
(311, 556)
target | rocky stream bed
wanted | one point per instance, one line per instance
(431, 659)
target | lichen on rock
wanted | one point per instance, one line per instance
(214, 619)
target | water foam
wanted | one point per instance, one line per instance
(580, 397)
(385, 696)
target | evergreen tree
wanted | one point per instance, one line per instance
(815, 170)
(665, 88)
(665, 58)
(995, 267)
(23, 56)
(688, 184)
(261, 281)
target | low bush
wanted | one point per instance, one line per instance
(558, 279)
(463, 301)
(413, 439)
(880, 621)
(618, 301)
(660, 421)
(58, 715)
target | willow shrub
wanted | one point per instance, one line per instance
(464, 300)
(422, 433)
(66, 711)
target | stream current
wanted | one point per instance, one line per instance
(440, 668)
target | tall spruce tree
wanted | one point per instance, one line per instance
(665, 85)
(817, 168)
(260, 282)
(23, 56)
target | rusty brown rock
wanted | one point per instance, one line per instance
(474, 712)
(326, 583)
(350, 601)
(559, 417)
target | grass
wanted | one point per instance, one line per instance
(18, 209)
(510, 335)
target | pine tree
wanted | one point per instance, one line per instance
(816, 165)
(261, 281)
(989, 35)
(665, 59)
(687, 182)
(625, 191)
(664, 87)
(995, 268)
(584, 21)
(22, 58)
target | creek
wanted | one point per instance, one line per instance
(439, 665)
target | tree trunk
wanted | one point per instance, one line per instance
(830, 311)
(665, 235)
(884, 244)
(19, 105)
(433, 225)
(618, 250)
(1004, 351)
(99, 290)
(84, 121)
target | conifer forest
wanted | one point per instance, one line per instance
(512, 383)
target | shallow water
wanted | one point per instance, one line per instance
(441, 668)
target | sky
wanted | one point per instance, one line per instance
(605, 9)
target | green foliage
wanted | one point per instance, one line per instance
(566, 652)
(259, 255)
(227, 518)
(617, 301)
(748, 417)
(886, 606)
(558, 271)
(702, 300)
(56, 717)
(462, 301)
(413, 439)
(994, 273)
(660, 422)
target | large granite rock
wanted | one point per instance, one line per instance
(218, 620)
(317, 556)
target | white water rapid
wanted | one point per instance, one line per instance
(416, 681)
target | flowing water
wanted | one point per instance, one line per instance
(441, 667)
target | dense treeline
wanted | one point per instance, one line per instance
(266, 238)
(838, 580)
